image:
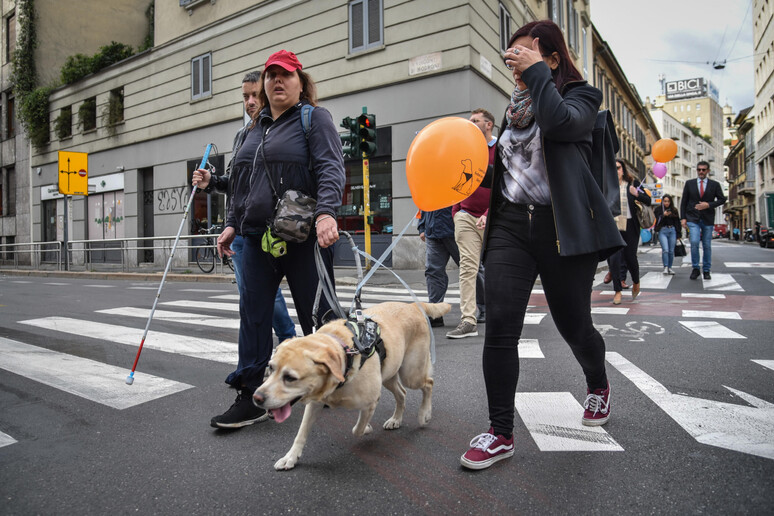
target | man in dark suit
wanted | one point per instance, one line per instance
(700, 198)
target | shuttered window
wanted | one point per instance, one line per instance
(366, 27)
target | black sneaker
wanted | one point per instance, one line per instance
(707, 275)
(481, 318)
(437, 322)
(695, 273)
(242, 413)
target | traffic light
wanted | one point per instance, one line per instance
(367, 132)
(349, 141)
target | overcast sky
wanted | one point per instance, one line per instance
(681, 39)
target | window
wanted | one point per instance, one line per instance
(10, 37)
(87, 114)
(365, 25)
(585, 54)
(505, 28)
(698, 119)
(201, 77)
(63, 125)
(7, 192)
(698, 107)
(555, 12)
(10, 116)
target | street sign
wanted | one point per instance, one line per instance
(73, 173)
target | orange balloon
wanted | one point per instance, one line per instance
(446, 162)
(664, 150)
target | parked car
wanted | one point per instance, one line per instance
(720, 231)
(767, 237)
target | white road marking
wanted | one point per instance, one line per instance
(20, 281)
(765, 363)
(94, 381)
(6, 439)
(722, 282)
(769, 277)
(142, 288)
(746, 429)
(390, 290)
(206, 290)
(554, 421)
(655, 280)
(530, 348)
(711, 330)
(537, 291)
(191, 346)
(611, 310)
(56, 284)
(226, 297)
(703, 296)
(750, 265)
(100, 286)
(533, 318)
(711, 315)
(205, 305)
(177, 317)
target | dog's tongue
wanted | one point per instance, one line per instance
(281, 414)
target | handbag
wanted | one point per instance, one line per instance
(645, 215)
(293, 216)
(679, 248)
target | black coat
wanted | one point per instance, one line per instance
(713, 194)
(672, 220)
(584, 223)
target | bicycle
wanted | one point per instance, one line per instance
(206, 256)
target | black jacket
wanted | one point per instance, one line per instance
(287, 151)
(713, 194)
(584, 222)
(666, 221)
(641, 196)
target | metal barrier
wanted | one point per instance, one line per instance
(80, 253)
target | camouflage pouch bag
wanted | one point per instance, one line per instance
(293, 216)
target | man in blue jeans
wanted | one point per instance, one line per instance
(700, 198)
(436, 230)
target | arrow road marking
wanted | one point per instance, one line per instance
(554, 421)
(6, 439)
(715, 423)
(95, 381)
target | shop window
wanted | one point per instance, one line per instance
(201, 77)
(366, 28)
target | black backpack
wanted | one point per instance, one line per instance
(604, 147)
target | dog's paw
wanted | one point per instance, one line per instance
(424, 417)
(286, 462)
(392, 424)
(367, 430)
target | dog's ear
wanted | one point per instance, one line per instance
(330, 359)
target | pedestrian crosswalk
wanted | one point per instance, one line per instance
(660, 281)
(551, 417)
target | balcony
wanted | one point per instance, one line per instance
(747, 188)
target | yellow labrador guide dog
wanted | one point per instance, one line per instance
(324, 369)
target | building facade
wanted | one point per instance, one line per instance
(763, 110)
(408, 63)
(740, 210)
(635, 128)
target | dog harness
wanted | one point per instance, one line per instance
(367, 337)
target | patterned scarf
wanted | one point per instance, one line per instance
(519, 113)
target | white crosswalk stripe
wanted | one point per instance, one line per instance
(711, 330)
(723, 282)
(709, 314)
(768, 277)
(177, 317)
(655, 280)
(554, 421)
(530, 348)
(188, 345)
(94, 381)
(766, 363)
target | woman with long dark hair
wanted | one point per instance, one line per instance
(669, 230)
(547, 217)
(630, 191)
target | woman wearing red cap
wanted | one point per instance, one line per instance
(278, 145)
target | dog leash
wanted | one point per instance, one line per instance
(325, 285)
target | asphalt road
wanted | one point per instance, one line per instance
(691, 365)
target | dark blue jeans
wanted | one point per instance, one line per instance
(701, 233)
(518, 248)
(261, 276)
(281, 322)
(439, 250)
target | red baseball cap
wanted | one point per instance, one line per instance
(285, 59)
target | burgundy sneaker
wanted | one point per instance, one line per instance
(597, 407)
(486, 449)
